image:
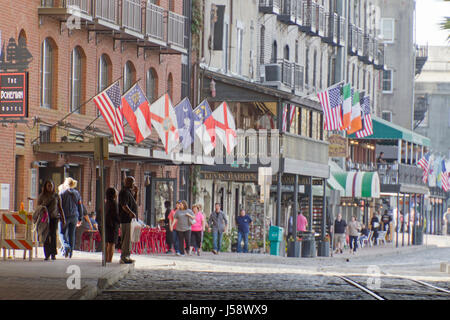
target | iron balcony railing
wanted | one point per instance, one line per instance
(307, 16)
(379, 61)
(175, 29)
(366, 47)
(299, 74)
(304, 148)
(287, 73)
(288, 11)
(107, 10)
(132, 15)
(83, 5)
(393, 174)
(321, 20)
(299, 12)
(154, 21)
(314, 17)
(360, 41)
(331, 27)
(353, 39)
(269, 6)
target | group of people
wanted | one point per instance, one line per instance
(357, 231)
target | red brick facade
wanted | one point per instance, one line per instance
(19, 16)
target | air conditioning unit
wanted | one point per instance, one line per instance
(271, 74)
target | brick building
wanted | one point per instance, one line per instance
(77, 52)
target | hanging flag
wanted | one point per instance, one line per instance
(164, 120)
(444, 177)
(108, 102)
(136, 110)
(355, 119)
(225, 126)
(346, 106)
(185, 120)
(433, 171)
(204, 126)
(367, 129)
(331, 101)
(439, 174)
(424, 163)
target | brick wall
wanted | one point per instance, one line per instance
(22, 15)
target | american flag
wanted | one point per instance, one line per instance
(424, 163)
(291, 116)
(367, 129)
(108, 102)
(444, 178)
(331, 101)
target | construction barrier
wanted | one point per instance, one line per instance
(8, 238)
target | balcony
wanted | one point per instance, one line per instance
(299, 76)
(331, 28)
(288, 12)
(367, 55)
(360, 42)
(353, 39)
(128, 20)
(269, 6)
(321, 20)
(341, 31)
(303, 155)
(306, 21)
(379, 58)
(176, 31)
(299, 13)
(314, 11)
(421, 58)
(283, 75)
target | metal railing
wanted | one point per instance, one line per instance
(314, 8)
(286, 72)
(132, 15)
(304, 148)
(175, 29)
(393, 173)
(299, 12)
(299, 74)
(154, 21)
(352, 38)
(360, 41)
(331, 26)
(321, 20)
(107, 10)
(288, 7)
(342, 22)
(84, 5)
(269, 3)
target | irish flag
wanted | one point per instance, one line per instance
(355, 118)
(346, 106)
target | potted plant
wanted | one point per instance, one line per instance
(294, 247)
(324, 247)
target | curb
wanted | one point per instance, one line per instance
(105, 281)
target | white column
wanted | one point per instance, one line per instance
(399, 151)
(412, 151)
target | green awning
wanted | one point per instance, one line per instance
(385, 130)
(358, 184)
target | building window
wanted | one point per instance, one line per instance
(225, 47)
(151, 88)
(273, 57)
(44, 134)
(387, 115)
(286, 53)
(104, 73)
(387, 29)
(320, 70)
(387, 81)
(240, 35)
(184, 80)
(76, 80)
(46, 74)
(129, 76)
(172, 5)
(170, 86)
(296, 51)
(314, 68)
(307, 67)
(364, 80)
(262, 44)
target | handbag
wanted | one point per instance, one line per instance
(191, 220)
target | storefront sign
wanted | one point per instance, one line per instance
(14, 94)
(253, 177)
(338, 146)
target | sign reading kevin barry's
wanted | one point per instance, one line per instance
(14, 94)
(338, 146)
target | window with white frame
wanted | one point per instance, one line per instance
(239, 37)
(46, 74)
(387, 29)
(76, 80)
(388, 81)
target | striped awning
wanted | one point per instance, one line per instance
(359, 184)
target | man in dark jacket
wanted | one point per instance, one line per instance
(127, 211)
(218, 222)
(71, 203)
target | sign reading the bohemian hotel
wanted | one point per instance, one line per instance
(13, 94)
(338, 146)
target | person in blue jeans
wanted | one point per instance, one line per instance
(71, 203)
(243, 222)
(218, 222)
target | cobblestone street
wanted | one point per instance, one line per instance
(233, 276)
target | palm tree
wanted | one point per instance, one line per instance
(445, 25)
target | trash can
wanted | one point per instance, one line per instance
(418, 236)
(275, 237)
(308, 244)
(294, 249)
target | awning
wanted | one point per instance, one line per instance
(385, 130)
(358, 184)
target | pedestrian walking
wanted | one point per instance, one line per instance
(127, 211)
(112, 222)
(183, 227)
(218, 222)
(386, 219)
(197, 228)
(243, 222)
(52, 201)
(302, 222)
(71, 203)
(354, 228)
(339, 229)
(375, 226)
(169, 237)
(173, 233)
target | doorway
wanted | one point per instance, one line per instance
(161, 190)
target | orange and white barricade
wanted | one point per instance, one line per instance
(8, 238)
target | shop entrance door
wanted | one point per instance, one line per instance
(162, 190)
(55, 174)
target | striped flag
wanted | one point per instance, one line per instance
(444, 177)
(346, 106)
(108, 102)
(291, 116)
(424, 163)
(355, 118)
(331, 101)
(367, 129)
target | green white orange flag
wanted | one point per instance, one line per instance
(355, 119)
(346, 106)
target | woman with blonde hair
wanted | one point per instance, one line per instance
(197, 228)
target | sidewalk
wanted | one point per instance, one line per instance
(48, 280)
